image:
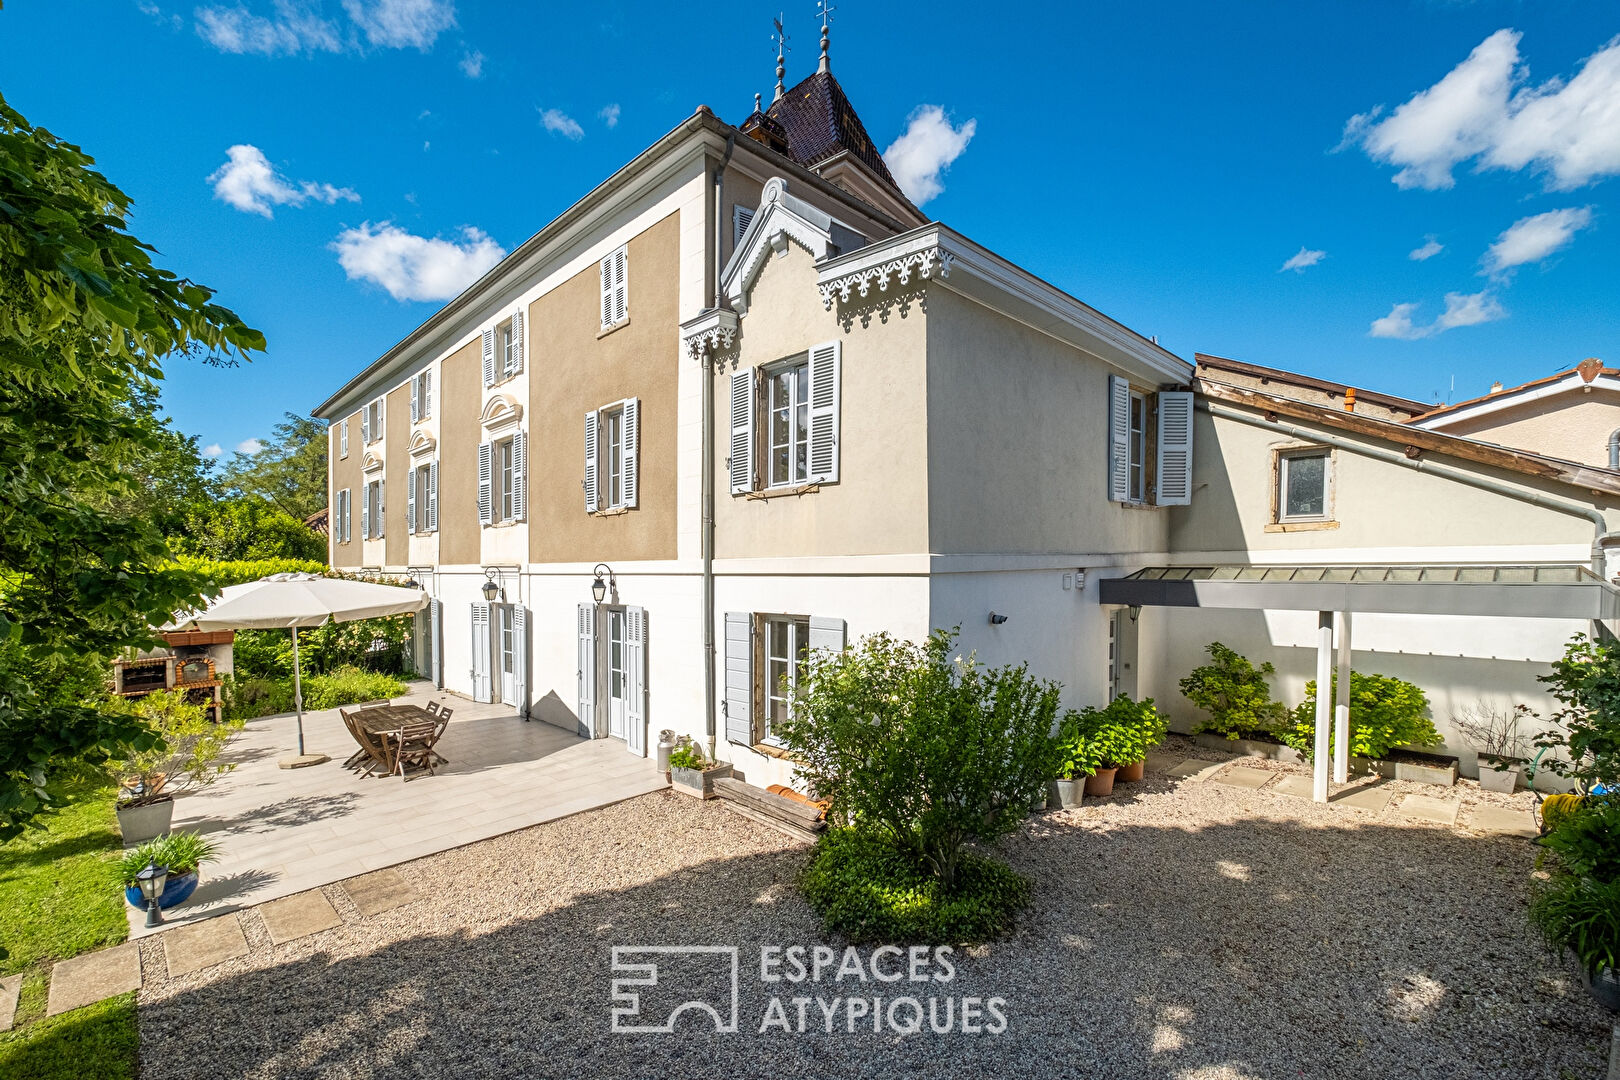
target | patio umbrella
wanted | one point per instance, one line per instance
(298, 600)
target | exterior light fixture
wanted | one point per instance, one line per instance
(997, 620)
(152, 881)
(599, 588)
(491, 587)
(412, 583)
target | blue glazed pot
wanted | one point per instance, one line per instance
(176, 891)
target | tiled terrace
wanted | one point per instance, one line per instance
(286, 831)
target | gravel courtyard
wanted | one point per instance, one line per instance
(1183, 929)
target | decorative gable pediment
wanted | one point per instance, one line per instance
(422, 444)
(780, 220)
(500, 411)
(371, 463)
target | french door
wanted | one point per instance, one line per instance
(618, 681)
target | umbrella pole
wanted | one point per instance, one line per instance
(298, 692)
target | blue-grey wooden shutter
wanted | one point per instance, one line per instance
(365, 425)
(741, 218)
(824, 379)
(739, 698)
(514, 364)
(586, 627)
(433, 496)
(520, 476)
(635, 673)
(1119, 439)
(590, 462)
(436, 607)
(826, 633)
(486, 498)
(632, 456)
(740, 466)
(410, 502)
(520, 658)
(427, 393)
(481, 686)
(1172, 483)
(416, 399)
(343, 438)
(489, 357)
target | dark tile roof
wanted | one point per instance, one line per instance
(815, 120)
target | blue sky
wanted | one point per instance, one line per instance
(1162, 162)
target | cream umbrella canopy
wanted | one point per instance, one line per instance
(293, 601)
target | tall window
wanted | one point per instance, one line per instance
(421, 395)
(374, 510)
(612, 436)
(374, 420)
(788, 404)
(1138, 432)
(1302, 482)
(343, 437)
(419, 485)
(505, 506)
(506, 349)
(340, 525)
(787, 643)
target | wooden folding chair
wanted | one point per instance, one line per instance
(354, 733)
(415, 747)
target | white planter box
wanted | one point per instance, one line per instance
(138, 823)
(1503, 780)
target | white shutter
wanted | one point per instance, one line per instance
(590, 462)
(489, 357)
(1119, 439)
(587, 670)
(343, 438)
(741, 217)
(1172, 486)
(635, 674)
(826, 633)
(520, 476)
(410, 502)
(365, 512)
(632, 443)
(427, 393)
(480, 652)
(739, 699)
(606, 272)
(741, 464)
(515, 365)
(486, 496)
(433, 497)
(365, 425)
(621, 285)
(382, 508)
(436, 632)
(824, 378)
(416, 404)
(520, 659)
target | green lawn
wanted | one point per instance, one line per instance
(61, 896)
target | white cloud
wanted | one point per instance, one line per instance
(472, 64)
(248, 182)
(560, 123)
(249, 446)
(609, 115)
(925, 151)
(1462, 309)
(1302, 259)
(398, 24)
(1429, 249)
(212, 450)
(155, 13)
(414, 267)
(292, 30)
(1532, 239)
(1482, 110)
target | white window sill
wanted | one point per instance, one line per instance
(611, 511)
(1300, 526)
(507, 524)
(783, 491)
(606, 330)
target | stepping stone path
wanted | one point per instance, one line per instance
(1299, 786)
(299, 915)
(87, 979)
(203, 944)
(1245, 776)
(1428, 808)
(10, 989)
(379, 891)
(1197, 769)
(1498, 819)
(1374, 797)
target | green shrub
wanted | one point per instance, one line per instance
(1588, 840)
(871, 890)
(247, 698)
(1120, 733)
(1580, 914)
(1385, 712)
(181, 852)
(1235, 694)
(1586, 680)
(688, 757)
(221, 573)
(349, 686)
(928, 750)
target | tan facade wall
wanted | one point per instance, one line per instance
(1018, 441)
(880, 504)
(1575, 427)
(396, 467)
(741, 190)
(345, 474)
(1375, 504)
(456, 400)
(574, 368)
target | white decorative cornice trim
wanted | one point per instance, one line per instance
(500, 411)
(780, 218)
(422, 445)
(929, 262)
(713, 331)
(370, 463)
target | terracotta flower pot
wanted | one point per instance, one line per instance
(1130, 774)
(1101, 785)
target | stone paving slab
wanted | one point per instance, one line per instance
(1373, 797)
(1161, 762)
(382, 890)
(87, 979)
(1197, 768)
(10, 989)
(204, 944)
(299, 915)
(1243, 776)
(1500, 819)
(1429, 808)
(1302, 787)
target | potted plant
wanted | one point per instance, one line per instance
(183, 853)
(1581, 915)
(1094, 745)
(1075, 764)
(1495, 734)
(184, 756)
(1140, 727)
(691, 771)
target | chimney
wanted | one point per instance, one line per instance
(1496, 387)
(1350, 399)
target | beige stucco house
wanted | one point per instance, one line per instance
(1574, 415)
(747, 385)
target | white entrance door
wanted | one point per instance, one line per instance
(480, 652)
(618, 684)
(506, 654)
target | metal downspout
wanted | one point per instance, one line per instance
(707, 538)
(1590, 513)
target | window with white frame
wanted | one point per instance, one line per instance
(1138, 447)
(503, 349)
(422, 509)
(504, 479)
(343, 438)
(787, 427)
(614, 275)
(503, 486)
(341, 517)
(1150, 436)
(372, 512)
(787, 645)
(612, 460)
(421, 396)
(785, 422)
(1303, 485)
(371, 421)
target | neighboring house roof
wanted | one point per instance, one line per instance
(320, 520)
(1306, 382)
(816, 121)
(1416, 440)
(1587, 374)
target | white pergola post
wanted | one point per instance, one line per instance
(1341, 704)
(1324, 702)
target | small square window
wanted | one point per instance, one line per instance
(1303, 486)
(787, 647)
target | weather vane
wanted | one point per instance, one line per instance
(826, 8)
(781, 40)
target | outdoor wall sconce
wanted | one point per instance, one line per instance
(997, 620)
(152, 881)
(1135, 611)
(412, 583)
(599, 588)
(491, 587)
